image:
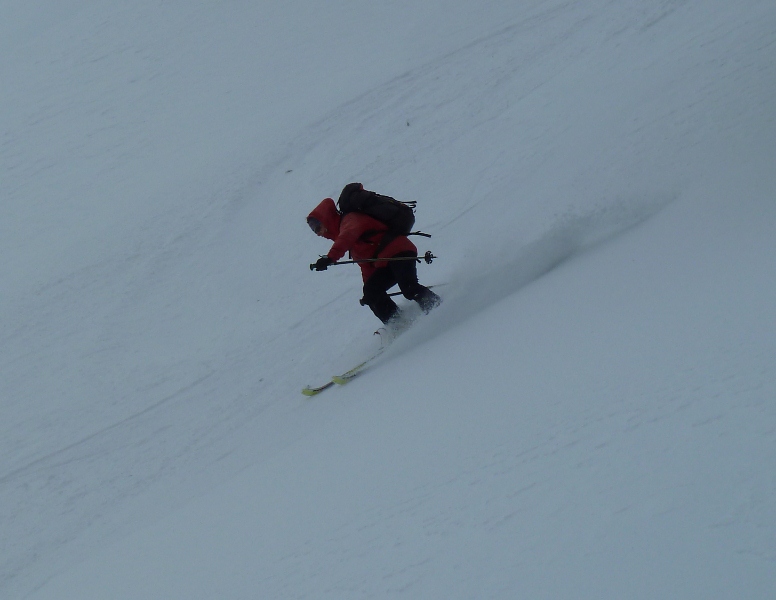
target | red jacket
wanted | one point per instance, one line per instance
(347, 233)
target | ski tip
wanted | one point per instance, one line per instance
(311, 391)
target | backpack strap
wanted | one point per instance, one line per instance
(390, 236)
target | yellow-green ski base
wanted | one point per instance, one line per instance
(347, 376)
(312, 391)
(340, 379)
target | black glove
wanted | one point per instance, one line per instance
(323, 263)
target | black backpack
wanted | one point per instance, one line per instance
(398, 216)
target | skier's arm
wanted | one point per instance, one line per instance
(348, 236)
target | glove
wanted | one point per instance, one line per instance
(323, 263)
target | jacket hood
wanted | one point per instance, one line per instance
(326, 212)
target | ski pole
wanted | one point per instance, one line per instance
(428, 257)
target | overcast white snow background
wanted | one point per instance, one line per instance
(590, 413)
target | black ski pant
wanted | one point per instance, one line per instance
(405, 274)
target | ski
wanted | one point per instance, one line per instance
(341, 379)
(312, 391)
(347, 376)
(387, 336)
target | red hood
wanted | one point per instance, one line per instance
(326, 213)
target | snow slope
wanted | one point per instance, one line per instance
(589, 414)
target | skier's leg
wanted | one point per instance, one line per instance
(406, 274)
(376, 294)
(427, 299)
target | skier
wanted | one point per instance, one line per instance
(361, 235)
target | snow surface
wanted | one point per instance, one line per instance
(590, 414)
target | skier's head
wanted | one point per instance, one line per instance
(315, 225)
(324, 220)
